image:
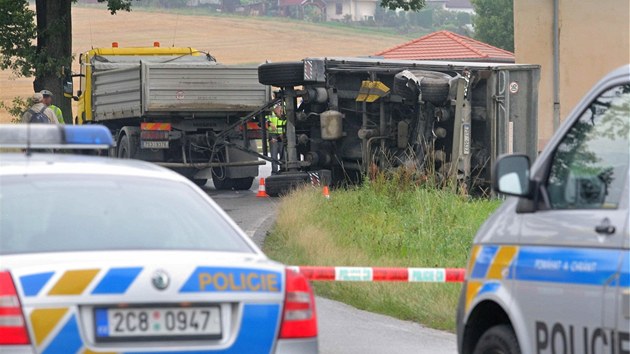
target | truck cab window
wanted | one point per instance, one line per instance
(590, 165)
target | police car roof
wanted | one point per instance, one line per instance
(15, 163)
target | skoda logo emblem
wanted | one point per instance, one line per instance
(160, 280)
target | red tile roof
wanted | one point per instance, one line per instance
(447, 45)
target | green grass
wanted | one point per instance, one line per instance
(387, 222)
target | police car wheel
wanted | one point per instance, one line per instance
(498, 340)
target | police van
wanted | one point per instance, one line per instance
(549, 271)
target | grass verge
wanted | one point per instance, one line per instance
(386, 222)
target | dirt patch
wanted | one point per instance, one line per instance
(230, 40)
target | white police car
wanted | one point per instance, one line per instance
(118, 256)
(549, 271)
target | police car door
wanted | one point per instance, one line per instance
(568, 264)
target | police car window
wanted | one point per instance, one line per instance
(56, 213)
(591, 163)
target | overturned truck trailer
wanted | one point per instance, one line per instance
(348, 116)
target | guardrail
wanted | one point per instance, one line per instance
(382, 274)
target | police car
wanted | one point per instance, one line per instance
(549, 272)
(118, 256)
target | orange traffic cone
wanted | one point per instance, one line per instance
(262, 191)
(326, 192)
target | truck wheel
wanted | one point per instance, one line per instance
(200, 181)
(222, 184)
(281, 74)
(498, 340)
(126, 148)
(434, 85)
(242, 184)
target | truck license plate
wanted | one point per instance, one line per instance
(466, 127)
(154, 144)
(163, 323)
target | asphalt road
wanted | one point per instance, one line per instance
(342, 328)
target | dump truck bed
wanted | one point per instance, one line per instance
(123, 90)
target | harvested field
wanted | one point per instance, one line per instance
(230, 39)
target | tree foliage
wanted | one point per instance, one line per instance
(407, 5)
(42, 48)
(494, 22)
(17, 32)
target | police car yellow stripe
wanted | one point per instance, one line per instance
(88, 351)
(473, 258)
(487, 265)
(73, 282)
(472, 288)
(44, 321)
(502, 261)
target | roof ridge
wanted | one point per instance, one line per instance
(486, 45)
(461, 41)
(408, 43)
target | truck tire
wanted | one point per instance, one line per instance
(498, 340)
(281, 184)
(224, 184)
(281, 74)
(434, 85)
(126, 147)
(242, 184)
(200, 181)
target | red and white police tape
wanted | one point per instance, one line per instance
(411, 275)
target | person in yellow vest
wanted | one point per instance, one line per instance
(48, 97)
(277, 123)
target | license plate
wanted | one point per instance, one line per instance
(154, 144)
(466, 127)
(154, 324)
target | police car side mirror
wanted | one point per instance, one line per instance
(511, 175)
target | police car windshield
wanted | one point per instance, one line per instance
(92, 213)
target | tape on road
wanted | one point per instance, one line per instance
(379, 274)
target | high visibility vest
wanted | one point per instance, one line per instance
(57, 113)
(276, 125)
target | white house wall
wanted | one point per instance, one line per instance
(358, 10)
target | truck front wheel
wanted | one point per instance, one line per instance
(498, 340)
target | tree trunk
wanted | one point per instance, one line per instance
(54, 49)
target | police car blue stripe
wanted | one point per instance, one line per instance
(256, 334)
(490, 287)
(117, 280)
(624, 280)
(33, 284)
(584, 266)
(67, 340)
(483, 261)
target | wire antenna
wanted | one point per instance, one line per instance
(91, 39)
(175, 31)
